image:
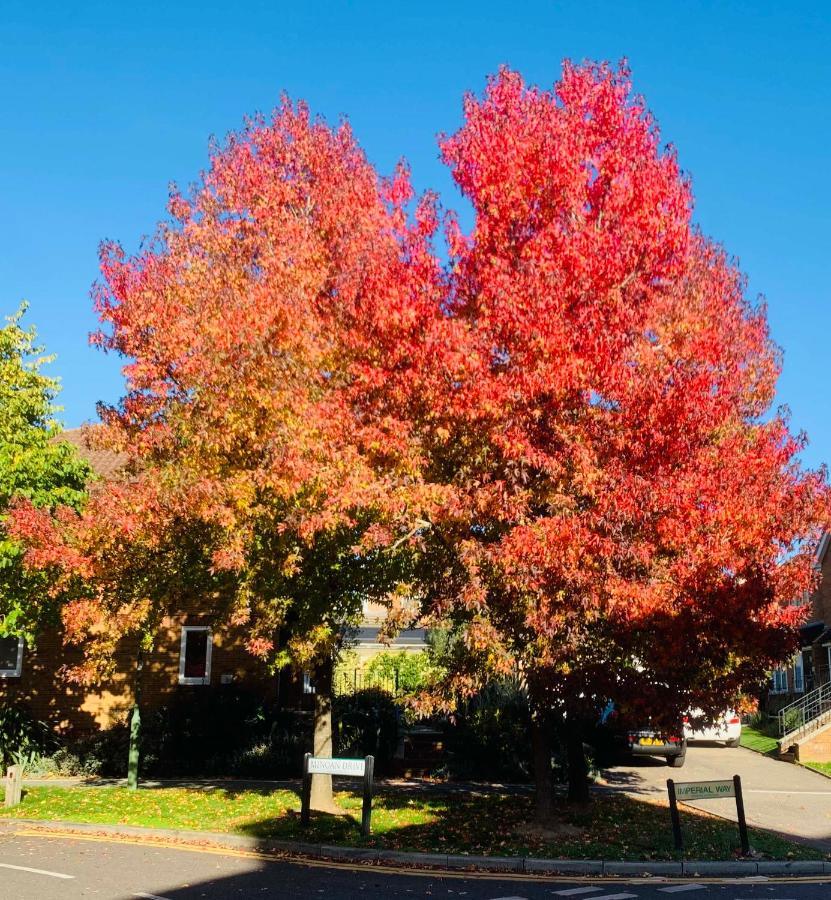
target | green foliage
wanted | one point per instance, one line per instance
(224, 731)
(793, 719)
(490, 738)
(214, 733)
(367, 724)
(23, 739)
(409, 671)
(31, 465)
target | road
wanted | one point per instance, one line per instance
(779, 796)
(49, 868)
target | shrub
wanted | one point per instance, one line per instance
(23, 739)
(410, 672)
(490, 738)
(227, 731)
(367, 723)
(793, 719)
(219, 733)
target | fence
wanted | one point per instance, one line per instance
(350, 682)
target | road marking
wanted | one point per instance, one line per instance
(510, 898)
(315, 863)
(677, 888)
(614, 897)
(149, 896)
(35, 871)
(798, 793)
(571, 892)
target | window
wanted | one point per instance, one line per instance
(780, 681)
(195, 655)
(11, 657)
(798, 674)
(308, 684)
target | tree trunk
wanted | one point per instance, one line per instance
(322, 798)
(578, 769)
(133, 752)
(543, 781)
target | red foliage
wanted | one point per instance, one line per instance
(568, 424)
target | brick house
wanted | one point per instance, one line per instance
(811, 666)
(191, 652)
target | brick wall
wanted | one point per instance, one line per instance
(821, 598)
(42, 687)
(68, 707)
(816, 748)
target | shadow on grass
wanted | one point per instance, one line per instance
(614, 826)
(611, 827)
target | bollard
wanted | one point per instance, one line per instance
(14, 785)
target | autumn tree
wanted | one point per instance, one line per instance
(562, 439)
(32, 465)
(629, 520)
(260, 481)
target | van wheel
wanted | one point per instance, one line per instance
(677, 761)
(733, 742)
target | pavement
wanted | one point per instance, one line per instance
(43, 867)
(779, 796)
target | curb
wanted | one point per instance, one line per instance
(443, 861)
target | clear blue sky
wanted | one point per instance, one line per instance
(103, 104)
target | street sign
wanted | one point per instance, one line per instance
(687, 791)
(320, 765)
(693, 791)
(351, 768)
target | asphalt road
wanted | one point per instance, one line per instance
(48, 868)
(779, 796)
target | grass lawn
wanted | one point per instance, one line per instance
(612, 827)
(758, 741)
(824, 767)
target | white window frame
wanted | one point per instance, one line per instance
(782, 673)
(18, 669)
(186, 629)
(798, 675)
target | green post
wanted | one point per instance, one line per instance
(133, 758)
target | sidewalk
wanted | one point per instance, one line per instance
(778, 796)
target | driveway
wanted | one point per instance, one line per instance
(779, 796)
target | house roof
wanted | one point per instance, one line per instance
(811, 632)
(823, 547)
(369, 637)
(103, 462)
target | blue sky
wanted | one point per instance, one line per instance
(103, 104)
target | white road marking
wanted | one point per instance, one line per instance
(35, 871)
(150, 896)
(510, 898)
(614, 897)
(677, 888)
(798, 793)
(572, 892)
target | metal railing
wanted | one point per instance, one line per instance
(346, 682)
(805, 714)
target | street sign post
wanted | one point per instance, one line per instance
(693, 791)
(349, 768)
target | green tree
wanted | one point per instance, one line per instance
(32, 465)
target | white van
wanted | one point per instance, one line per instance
(727, 728)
